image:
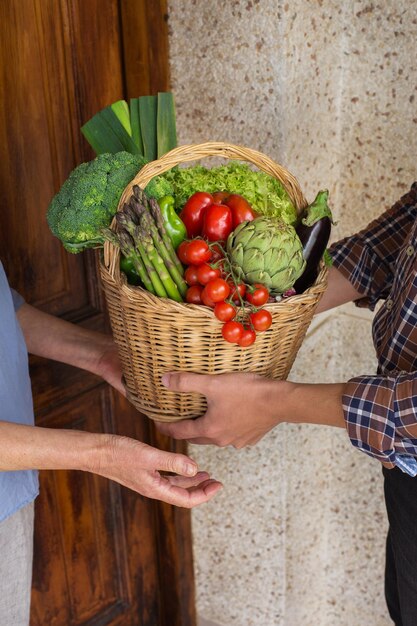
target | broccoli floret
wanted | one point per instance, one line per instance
(88, 199)
(159, 187)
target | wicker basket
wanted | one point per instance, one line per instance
(157, 335)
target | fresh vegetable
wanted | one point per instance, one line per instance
(87, 201)
(232, 331)
(248, 338)
(263, 192)
(192, 213)
(197, 252)
(206, 300)
(257, 295)
(206, 273)
(127, 265)
(193, 295)
(191, 276)
(217, 290)
(220, 196)
(261, 320)
(241, 209)
(146, 127)
(141, 235)
(173, 223)
(224, 311)
(217, 222)
(109, 131)
(266, 251)
(314, 232)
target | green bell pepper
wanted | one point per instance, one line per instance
(174, 225)
(127, 266)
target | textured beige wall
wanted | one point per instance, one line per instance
(328, 89)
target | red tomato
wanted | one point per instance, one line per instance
(217, 222)
(206, 300)
(216, 253)
(193, 211)
(206, 273)
(232, 331)
(182, 252)
(217, 290)
(234, 293)
(241, 209)
(198, 252)
(193, 295)
(219, 197)
(224, 311)
(261, 320)
(190, 275)
(259, 296)
(248, 338)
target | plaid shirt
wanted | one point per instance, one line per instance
(381, 263)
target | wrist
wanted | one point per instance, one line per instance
(314, 404)
(274, 400)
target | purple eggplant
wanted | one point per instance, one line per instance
(313, 231)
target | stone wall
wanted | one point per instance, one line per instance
(327, 88)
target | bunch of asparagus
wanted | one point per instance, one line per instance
(141, 236)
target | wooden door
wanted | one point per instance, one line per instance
(103, 555)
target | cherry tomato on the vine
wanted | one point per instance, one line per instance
(216, 253)
(232, 331)
(198, 252)
(217, 290)
(182, 252)
(206, 300)
(193, 294)
(261, 320)
(259, 296)
(217, 222)
(234, 292)
(193, 210)
(206, 273)
(191, 275)
(224, 311)
(248, 338)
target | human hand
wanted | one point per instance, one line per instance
(109, 366)
(240, 408)
(138, 466)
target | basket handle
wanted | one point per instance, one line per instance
(193, 152)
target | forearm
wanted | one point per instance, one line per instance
(339, 291)
(53, 338)
(311, 404)
(31, 447)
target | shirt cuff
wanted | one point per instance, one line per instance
(381, 418)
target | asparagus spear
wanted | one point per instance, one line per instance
(124, 241)
(144, 240)
(152, 271)
(149, 226)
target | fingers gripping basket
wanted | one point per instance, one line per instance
(157, 335)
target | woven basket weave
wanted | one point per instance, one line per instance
(157, 335)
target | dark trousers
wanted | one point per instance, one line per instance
(401, 557)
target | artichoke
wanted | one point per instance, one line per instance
(267, 251)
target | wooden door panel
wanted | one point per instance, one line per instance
(87, 550)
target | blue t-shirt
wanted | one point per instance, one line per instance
(16, 405)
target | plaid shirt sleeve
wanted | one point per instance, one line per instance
(381, 418)
(368, 258)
